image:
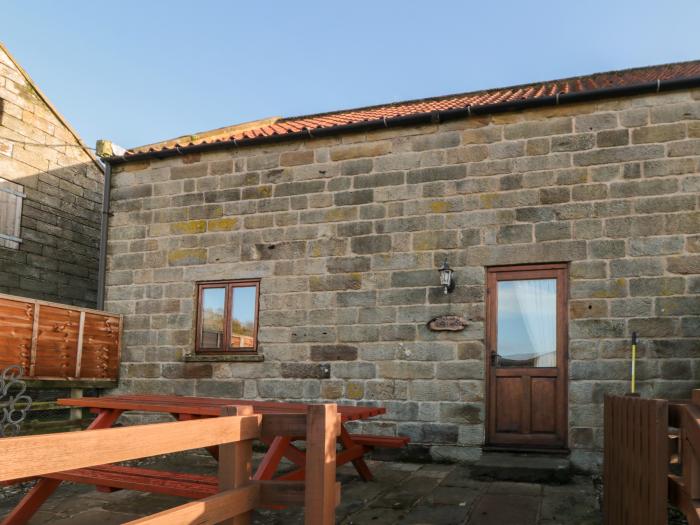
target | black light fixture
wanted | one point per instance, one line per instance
(446, 279)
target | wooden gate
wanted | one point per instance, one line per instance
(636, 461)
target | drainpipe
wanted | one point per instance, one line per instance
(102, 265)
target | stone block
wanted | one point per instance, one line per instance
(371, 244)
(606, 249)
(595, 122)
(277, 389)
(432, 433)
(517, 233)
(356, 167)
(437, 173)
(612, 137)
(550, 231)
(353, 370)
(353, 151)
(672, 306)
(435, 141)
(658, 286)
(216, 388)
(405, 370)
(375, 180)
(636, 267)
(333, 352)
(618, 154)
(365, 298)
(659, 133)
(358, 334)
(683, 264)
(555, 195)
(599, 289)
(578, 142)
(295, 158)
(596, 328)
(538, 128)
(306, 370)
(483, 135)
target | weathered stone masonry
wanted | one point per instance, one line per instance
(60, 224)
(346, 234)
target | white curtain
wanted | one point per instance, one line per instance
(537, 303)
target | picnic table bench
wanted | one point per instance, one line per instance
(108, 478)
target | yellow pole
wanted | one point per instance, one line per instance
(634, 361)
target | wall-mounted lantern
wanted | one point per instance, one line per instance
(446, 278)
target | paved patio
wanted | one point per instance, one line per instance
(405, 493)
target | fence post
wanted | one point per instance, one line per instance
(321, 435)
(235, 463)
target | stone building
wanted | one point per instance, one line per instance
(50, 197)
(296, 258)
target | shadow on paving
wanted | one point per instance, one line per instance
(402, 493)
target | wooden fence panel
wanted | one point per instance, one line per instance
(59, 342)
(636, 458)
(16, 326)
(100, 355)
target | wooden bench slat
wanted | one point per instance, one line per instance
(186, 486)
(380, 441)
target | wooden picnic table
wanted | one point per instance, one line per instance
(115, 477)
(183, 408)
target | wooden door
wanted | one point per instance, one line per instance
(526, 367)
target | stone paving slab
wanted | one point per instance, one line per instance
(403, 493)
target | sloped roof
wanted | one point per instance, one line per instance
(491, 97)
(51, 107)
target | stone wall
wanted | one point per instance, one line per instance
(346, 234)
(60, 229)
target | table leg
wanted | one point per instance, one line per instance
(359, 463)
(32, 501)
(44, 487)
(271, 460)
(292, 453)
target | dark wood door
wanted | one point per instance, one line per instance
(527, 356)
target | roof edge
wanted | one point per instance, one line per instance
(51, 107)
(225, 130)
(653, 87)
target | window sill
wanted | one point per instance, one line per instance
(224, 358)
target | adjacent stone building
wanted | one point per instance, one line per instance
(50, 197)
(297, 259)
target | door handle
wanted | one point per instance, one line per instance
(494, 359)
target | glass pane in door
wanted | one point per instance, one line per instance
(527, 323)
(212, 312)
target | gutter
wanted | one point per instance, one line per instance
(431, 117)
(102, 262)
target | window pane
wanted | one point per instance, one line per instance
(213, 309)
(527, 323)
(243, 317)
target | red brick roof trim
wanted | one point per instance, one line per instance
(490, 97)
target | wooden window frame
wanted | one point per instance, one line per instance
(229, 286)
(10, 238)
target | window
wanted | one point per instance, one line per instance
(227, 316)
(11, 195)
(527, 314)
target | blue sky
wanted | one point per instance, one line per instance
(143, 71)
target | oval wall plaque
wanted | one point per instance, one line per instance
(449, 323)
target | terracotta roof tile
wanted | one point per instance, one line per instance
(282, 126)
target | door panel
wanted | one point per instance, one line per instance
(544, 403)
(526, 367)
(509, 391)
